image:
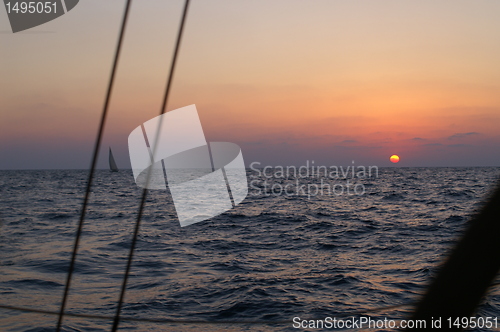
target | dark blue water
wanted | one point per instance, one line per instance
(273, 257)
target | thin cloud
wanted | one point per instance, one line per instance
(458, 145)
(462, 135)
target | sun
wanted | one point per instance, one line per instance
(394, 158)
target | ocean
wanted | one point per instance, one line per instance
(307, 250)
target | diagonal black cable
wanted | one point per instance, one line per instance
(145, 191)
(93, 165)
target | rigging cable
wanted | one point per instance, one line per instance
(93, 165)
(145, 191)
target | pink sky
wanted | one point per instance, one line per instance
(288, 81)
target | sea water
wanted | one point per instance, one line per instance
(276, 256)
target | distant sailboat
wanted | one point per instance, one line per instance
(112, 163)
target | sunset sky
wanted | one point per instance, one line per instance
(288, 81)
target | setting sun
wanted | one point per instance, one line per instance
(394, 158)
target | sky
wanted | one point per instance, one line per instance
(288, 81)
